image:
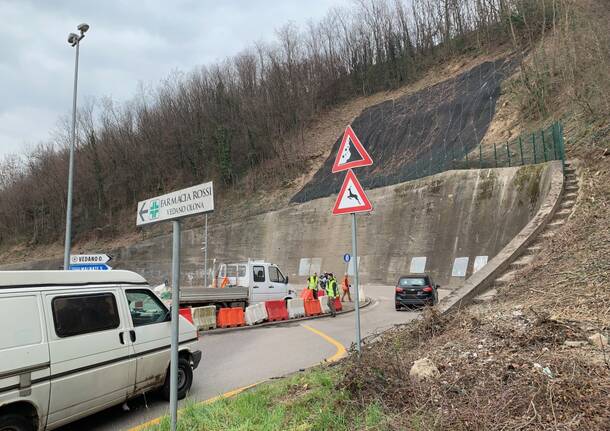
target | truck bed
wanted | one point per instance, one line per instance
(209, 295)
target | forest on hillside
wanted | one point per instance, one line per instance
(229, 122)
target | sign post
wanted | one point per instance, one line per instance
(174, 206)
(352, 200)
(356, 285)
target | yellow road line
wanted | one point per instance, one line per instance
(340, 353)
(208, 401)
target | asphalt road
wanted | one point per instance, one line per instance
(236, 359)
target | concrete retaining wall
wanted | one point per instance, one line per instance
(454, 214)
(483, 279)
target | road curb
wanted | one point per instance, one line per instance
(278, 323)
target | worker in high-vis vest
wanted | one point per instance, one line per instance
(312, 284)
(332, 292)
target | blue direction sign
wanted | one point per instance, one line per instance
(347, 257)
(94, 267)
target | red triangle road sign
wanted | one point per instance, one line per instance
(351, 153)
(352, 198)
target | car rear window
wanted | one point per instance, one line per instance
(413, 281)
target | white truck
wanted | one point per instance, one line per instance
(241, 284)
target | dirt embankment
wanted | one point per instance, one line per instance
(524, 360)
(450, 117)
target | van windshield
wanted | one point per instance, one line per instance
(413, 281)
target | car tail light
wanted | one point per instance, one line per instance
(427, 289)
(399, 290)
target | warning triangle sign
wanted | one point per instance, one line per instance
(351, 198)
(351, 153)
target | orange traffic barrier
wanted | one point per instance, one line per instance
(306, 294)
(230, 317)
(338, 305)
(186, 313)
(276, 310)
(312, 307)
(321, 292)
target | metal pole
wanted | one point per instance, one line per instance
(68, 239)
(534, 146)
(546, 157)
(356, 284)
(205, 255)
(521, 150)
(508, 153)
(173, 373)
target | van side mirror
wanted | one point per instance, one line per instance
(286, 280)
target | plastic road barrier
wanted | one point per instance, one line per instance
(312, 307)
(276, 310)
(296, 308)
(204, 317)
(338, 305)
(256, 313)
(230, 317)
(324, 305)
(186, 313)
(306, 294)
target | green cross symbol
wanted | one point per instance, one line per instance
(154, 210)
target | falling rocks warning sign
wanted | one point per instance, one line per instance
(351, 153)
(351, 198)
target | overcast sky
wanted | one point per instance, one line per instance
(129, 42)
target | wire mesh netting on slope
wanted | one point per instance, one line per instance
(421, 133)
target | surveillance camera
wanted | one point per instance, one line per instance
(72, 38)
(83, 27)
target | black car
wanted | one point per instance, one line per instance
(415, 290)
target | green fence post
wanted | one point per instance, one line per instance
(562, 145)
(534, 147)
(546, 158)
(495, 155)
(555, 143)
(480, 157)
(521, 150)
(508, 152)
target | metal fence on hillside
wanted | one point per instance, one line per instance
(538, 147)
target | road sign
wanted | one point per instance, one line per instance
(351, 198)
(94, 267)
(79, 259)
(351, 153)
(175, 205)
(346, 257)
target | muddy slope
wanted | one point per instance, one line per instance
(449, 117)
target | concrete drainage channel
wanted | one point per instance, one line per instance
(205, 328)
(521, 250)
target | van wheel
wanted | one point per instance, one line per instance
(15, 423)
(185, 380)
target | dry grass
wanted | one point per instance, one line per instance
(487, 354)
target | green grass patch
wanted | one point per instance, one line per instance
(308, 401)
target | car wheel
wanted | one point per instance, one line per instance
(12, 422)
(398, 308)
(185, 380)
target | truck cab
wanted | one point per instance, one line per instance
(264, 280)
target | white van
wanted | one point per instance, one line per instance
(76, 342)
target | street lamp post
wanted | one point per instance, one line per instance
(74, 40)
